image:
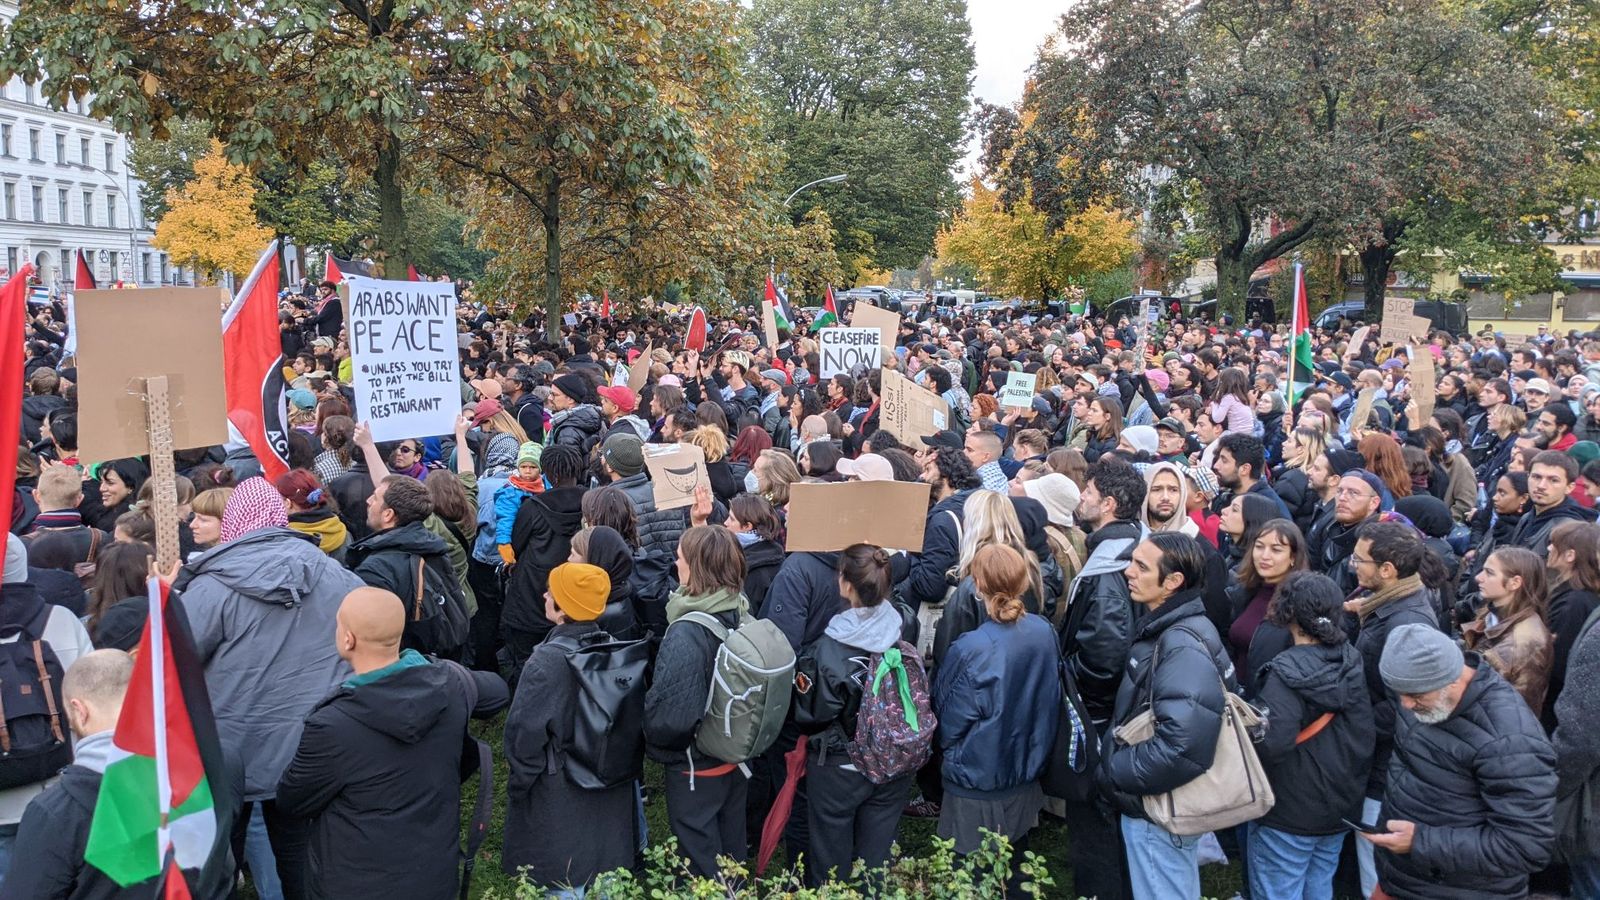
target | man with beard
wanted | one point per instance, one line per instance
(1550, 480)
(1322, 479)
(1385, 561)
(1238, 464)
(1356, 501)
(1095, 642)
(1470, 802)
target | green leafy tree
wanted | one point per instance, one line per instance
(164, 165)
(877, 91)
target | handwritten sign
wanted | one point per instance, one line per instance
(403, 354)
(909, 411)
(1019, 390)
(1397, 316)
(842, 349)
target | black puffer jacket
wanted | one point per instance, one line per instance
(1481, 787)
(1296, 493)
(1322, 780)
(541, 537)
(659, 529)
(1097, 649)
(610, 552)
(1191, 666)
(579, 428)
(1369, 636)
(388, 560)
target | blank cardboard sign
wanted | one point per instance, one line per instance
(675, 471)
(887, 322)
(125, 337)
(827, 517)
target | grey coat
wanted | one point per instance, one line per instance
(262, 608)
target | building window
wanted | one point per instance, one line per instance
(27, 94)
(69, 274)
(11, 260)
(5, 139)
(83, 151)
(111, 156)
(11, 203)
(111, 211)
(37, 195)
(61, 149)
(166, 274)
(33, 144)
(144, 266)
(61, 205)
(88, 207)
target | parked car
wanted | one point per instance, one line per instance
(1443, 315)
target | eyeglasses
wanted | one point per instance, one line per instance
(1357, 493)
(1360, 561)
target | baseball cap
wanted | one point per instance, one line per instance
(622, 396)
(1171, 423)
(946, 438)
(866, 467)
(1094, 383)
(487, 388)
(1343, 380)
(1537, 386)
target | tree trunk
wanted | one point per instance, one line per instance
(1376, 261)
(552, 255)
(1233, 284)
(391, 210)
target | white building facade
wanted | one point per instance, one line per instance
(65, 186)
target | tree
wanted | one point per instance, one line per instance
(163, 165)
(1017, 254)
(211, 222)
(877, 91)
(318, 207)
(1265, 125)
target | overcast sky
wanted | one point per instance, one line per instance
(1005, 37)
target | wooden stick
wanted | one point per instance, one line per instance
(158, 418)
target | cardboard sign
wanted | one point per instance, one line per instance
(1397, 316)
(1363, 411)
(769, 324)
(570, 320)
(124, 338)
(639, 371)
(1422, 385)
(406, 370)
(909, 411)
(1018, 390)
(828, 517)
(842, 349)
(675, 471)
(888, 323)
(1357, 338)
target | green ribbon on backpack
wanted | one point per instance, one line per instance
(889, 662)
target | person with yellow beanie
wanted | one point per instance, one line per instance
(543, 799)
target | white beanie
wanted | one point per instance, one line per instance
(16, 570)
(1058, 494)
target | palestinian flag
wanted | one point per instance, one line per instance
(829, 314)
(155, 814)
(780, 306)
(335, 269)
(1301, 364)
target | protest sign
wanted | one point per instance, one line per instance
(407, 378)
(639, 371)
(909, 411)
(1018, 390)
(842, 349)
(1422, 385)
(1397, 316)
(1357, 338)
(1363, 411)
(769, 324)
(570, 320)
(829, 517)
(868, 316)
(124, 339)
(675, 471)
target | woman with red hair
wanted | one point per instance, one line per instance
(1385, 460)
(311, 511)
(746, 448)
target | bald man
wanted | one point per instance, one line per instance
(378, 769)
(55, 827)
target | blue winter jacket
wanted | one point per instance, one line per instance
(998, 699)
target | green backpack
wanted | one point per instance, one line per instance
(752, 678)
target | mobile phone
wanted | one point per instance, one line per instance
(1364, 829)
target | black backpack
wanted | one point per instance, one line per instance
(436, 623)
(608, 712)
(35, 741)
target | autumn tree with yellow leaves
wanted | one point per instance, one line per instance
(210, 224)
(1016, 253)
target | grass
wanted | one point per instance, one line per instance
(1048, 840)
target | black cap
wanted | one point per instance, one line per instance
(1345, 461)
(945, 438)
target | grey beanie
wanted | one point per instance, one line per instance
(1419, 659)
(16, 570)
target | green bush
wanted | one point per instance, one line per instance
(938, 875)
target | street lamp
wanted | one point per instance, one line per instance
(831, 179)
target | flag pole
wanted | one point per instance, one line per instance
(158, 677)
(1294, 327)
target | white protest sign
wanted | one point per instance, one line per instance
(403, 354)
(1018, 390)
(842, 349)
(571, 320)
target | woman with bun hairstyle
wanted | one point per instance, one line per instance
(848, 816)
(998, 698)
(1318, 746)
(311, 511)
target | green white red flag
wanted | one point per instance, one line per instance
(779, 304)
(1301, 364)
(155, 811)
(829, 315)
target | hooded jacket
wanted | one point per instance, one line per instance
(831, 672)
(262, 608)
(378, 773)
(998, 699)
(762, 560)
(1097, 649)
(542, 538)
(1533, 530)
(1321, 781)
(22, 605)
(1178, 666)
(609, 551)
(388, 560)
(803, 597)
(1481, 788)
(351, 491)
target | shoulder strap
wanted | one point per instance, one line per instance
(1314, 729)
(94, 544)
(957, 520)
(455, 532)
(416, 606)
(482, 808)
(707, 621)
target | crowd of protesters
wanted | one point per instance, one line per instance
(1402, 584)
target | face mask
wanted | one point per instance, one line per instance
(746, 538)
(751, 484)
